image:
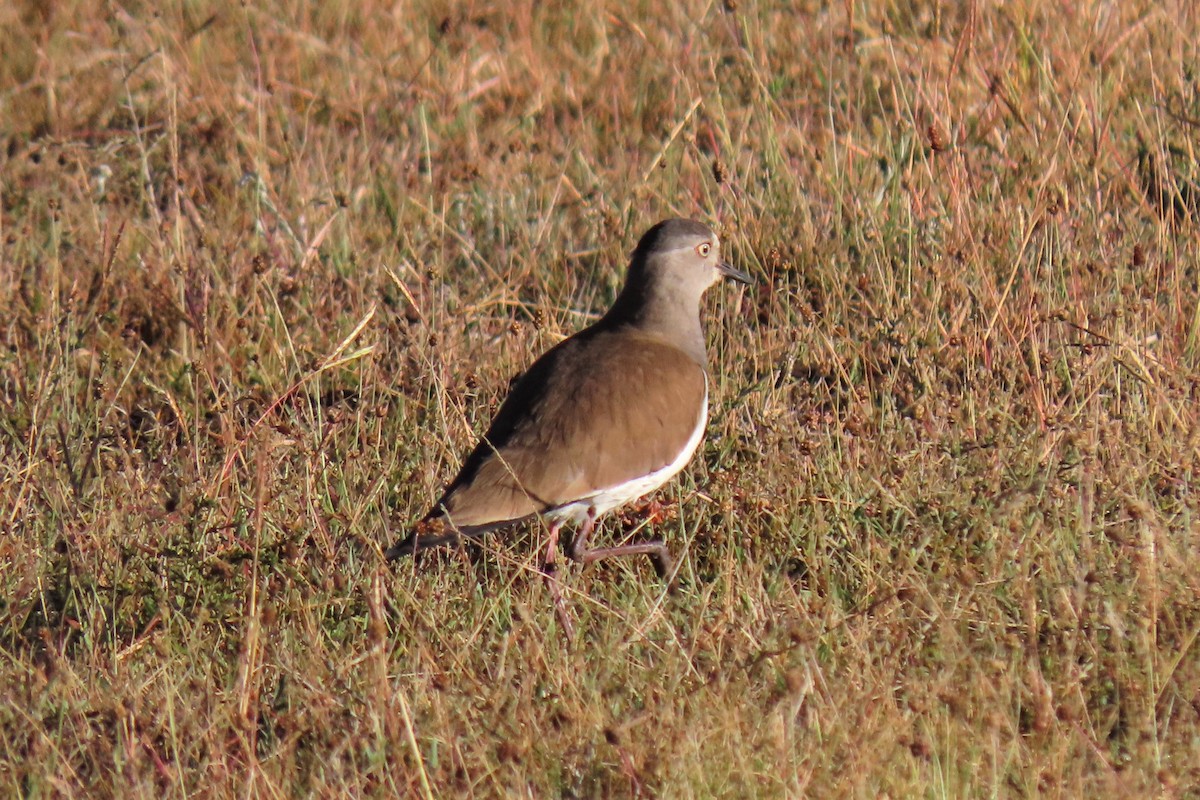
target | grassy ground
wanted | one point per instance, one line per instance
(266, 269)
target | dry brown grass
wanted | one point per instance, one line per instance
(941, 540)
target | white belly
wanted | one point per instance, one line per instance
(614, 496)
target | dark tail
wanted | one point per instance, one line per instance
(417, 541)
(436, 530)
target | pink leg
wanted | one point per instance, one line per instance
(656, 549)
(549, 568)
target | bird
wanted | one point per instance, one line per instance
(603, 418)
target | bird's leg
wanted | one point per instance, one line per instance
(549, 570)
(551, 548)
(655, 548)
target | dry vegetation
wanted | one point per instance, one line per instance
(266, 268)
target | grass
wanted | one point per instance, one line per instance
(266, 270)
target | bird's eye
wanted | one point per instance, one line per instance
(704, 249)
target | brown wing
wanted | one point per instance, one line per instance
(598, 410)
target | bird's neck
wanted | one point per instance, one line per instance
(667, 313)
